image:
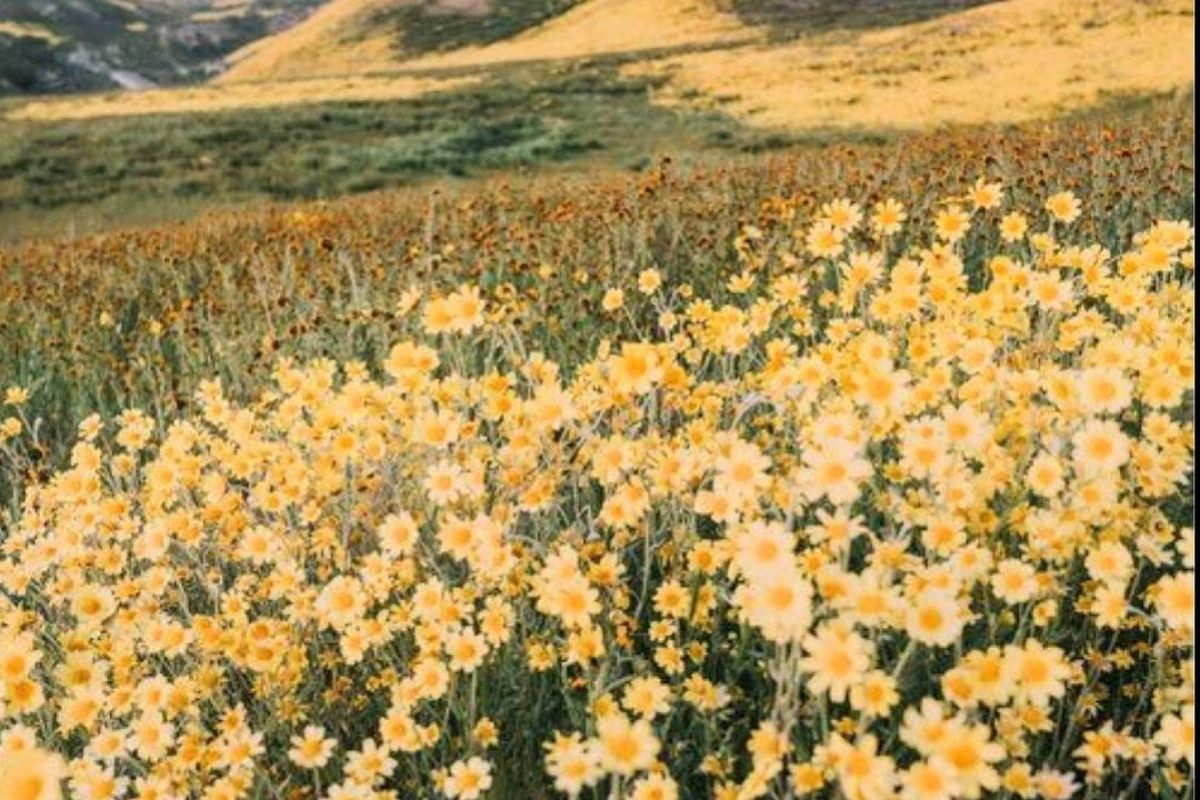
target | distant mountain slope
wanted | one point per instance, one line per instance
(83, 45)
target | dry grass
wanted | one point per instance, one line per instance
(1005, 62)
(228, 10)
(318, 46)
(224, 98)
(16, 29)
(128, 5)
(606, 27)
(322, 45)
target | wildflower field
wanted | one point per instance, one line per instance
(857, 472)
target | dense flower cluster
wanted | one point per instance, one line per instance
(876, 522)
(137, 317)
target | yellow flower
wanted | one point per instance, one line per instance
(636, 369)
(825, 240)
(741, 471)
(646, 697)
(929, 780)
(987, 195)
(834, 469)
(398, 534)
(1099, 446)
(1045, 475)
(1063, 206)
(30, 774)
(862, 772)
(888, 217)
(1038, 673)
(485, 732)
(1175, 599)
(654, 787)
(466, 651)
(458, 312)
(341, 602)
(469, 779)
(625, 747)
(1110, 563)
(16, 396)
(969, 752)
(573, 763)
(952, 224)
(836, 659)
(613, 300)
(806, 778)
(1177, 735)
(1014, 581)
(1054, 785)
(875, 695)
(649, 280)
(1105, 390)
(935, 618)
(925, 727)
(779, 602)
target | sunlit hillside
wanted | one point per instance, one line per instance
(611, 27)
(338, 38)
(209, 98)
(321, 45)
(1003, 61)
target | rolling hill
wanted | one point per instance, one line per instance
(359, 36)
(378, 35)
(1000, 62)
(772, 64)
(354, 35)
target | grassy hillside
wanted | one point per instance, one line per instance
(345, 36)
(891, 64)
(373, 35)
(1005, 61)
(74, 174)
(790, 18)
(209, 98)
(450, 24)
